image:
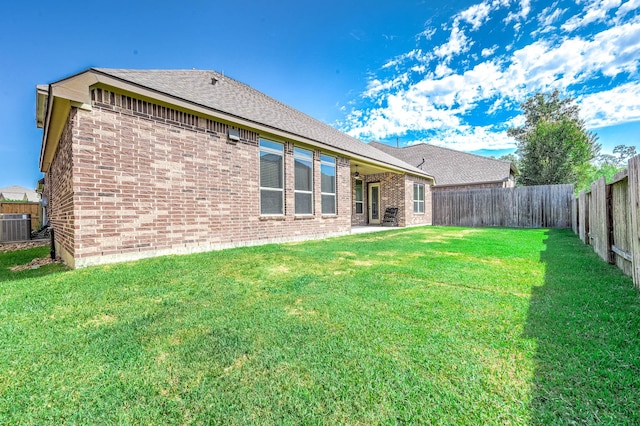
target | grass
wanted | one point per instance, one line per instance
(423, 325)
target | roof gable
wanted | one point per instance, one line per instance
(448, 166)
(19, 193)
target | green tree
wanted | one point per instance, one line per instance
(513, 158)
(607, 165)
(554, 146)
(624, 152)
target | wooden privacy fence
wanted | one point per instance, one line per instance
(608, 218)
(34, 209)
(545, 206)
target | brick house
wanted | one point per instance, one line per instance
(142, 163)
(455, 169)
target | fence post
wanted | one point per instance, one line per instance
(634, 204)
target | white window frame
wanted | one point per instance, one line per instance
(262, 188)
(335, 175)
(361, 201)
(418, 204)
(297, 155)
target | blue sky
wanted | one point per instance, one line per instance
(449, 73)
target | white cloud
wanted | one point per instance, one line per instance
(610, 107)
(437, 101)
(488, 51)
(517, 121)
(437, 98)
(432, 103)
(626, 8)
(415, 54)
(542, 65)
(520, 15)
(442, 70)
(475, 15)
(419, 68)
(550, 15)
(548, 18)
(375, 86)
(594, 11)
(458, 43)
(426, 34)
(470, 138)
(496, 106)
(615, 50)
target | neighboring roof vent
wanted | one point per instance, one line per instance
(213, 81)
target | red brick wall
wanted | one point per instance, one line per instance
(418, 218)
(148, 186)
(396, 190)
(58, 190)
(391, 195)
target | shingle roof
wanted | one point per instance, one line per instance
(15, 193)
(232, 97)
(450, 167)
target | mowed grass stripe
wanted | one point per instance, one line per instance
(419, 325)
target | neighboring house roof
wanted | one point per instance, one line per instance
(219, 93)
(19, 193)
(451, 167)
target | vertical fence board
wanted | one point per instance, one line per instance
(34, 209)
(546, 206)
(634, 207)
(621, 221)
(599, 219)
(583, 218)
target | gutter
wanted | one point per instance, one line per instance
(471, 183)
(44, 121)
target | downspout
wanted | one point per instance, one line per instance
(52, 252)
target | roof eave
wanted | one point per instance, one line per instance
(53, 105)
(123, 84)
(74, 91)
(471, 183)
(42, 96)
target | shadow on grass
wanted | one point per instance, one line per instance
(586, 321)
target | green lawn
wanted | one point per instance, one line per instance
(423, 325)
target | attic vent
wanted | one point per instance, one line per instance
(213, 81)
(234, 134)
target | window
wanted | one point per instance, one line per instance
(303, 160)
(418, 198)
(328, 184)
(271, 177)
(359, 200)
